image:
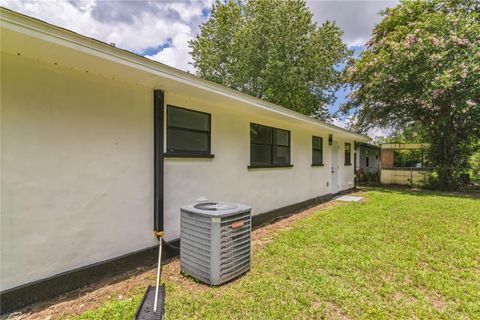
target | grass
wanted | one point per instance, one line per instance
(398, 254)
(475, 179)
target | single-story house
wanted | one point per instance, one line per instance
(367, 164)
(404, 163)
(101, 146)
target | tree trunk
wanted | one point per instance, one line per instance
(443, 154)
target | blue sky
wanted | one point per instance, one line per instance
(343, 92)
(160, 30)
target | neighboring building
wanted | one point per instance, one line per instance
(96, 139)
(404, 163)
(367, 162)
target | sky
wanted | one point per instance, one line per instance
(161, 30)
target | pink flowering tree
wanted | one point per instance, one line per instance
(421, 67)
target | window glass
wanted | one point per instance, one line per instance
(269, 146)
(181, 140)
(188, 119)
(317, 150)
(281, 155)
(261, 134)
(261, 154)
(317, 143)
(188, 131)
(317, 157)
(348, 158)
(280, 137)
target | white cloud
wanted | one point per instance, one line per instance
(131, 25)
(188, 11)
(140, 25)
(378, 132)
(178, 55)
(345, 123)
(340, 123)
(355, 18)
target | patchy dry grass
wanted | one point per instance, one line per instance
(398, 254)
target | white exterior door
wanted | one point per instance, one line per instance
(335, 167)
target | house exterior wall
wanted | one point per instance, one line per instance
(77, 168)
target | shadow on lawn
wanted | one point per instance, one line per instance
(419, 192)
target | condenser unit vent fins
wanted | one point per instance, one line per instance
(215, 241)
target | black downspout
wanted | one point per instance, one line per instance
(158, 123)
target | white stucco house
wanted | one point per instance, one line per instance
(99, 147)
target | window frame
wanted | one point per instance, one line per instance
(317, 149)
(349, 163)
(272, 145)
(172, 153)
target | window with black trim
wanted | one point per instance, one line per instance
(188, 132)
(317, 151)
(269, 147)
(348, 154)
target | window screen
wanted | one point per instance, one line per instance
(317, 151)
(269, 146)
(188, 131)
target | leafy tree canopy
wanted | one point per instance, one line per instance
(272, 50)
(475, 166)
(422, 67)
(410, 134)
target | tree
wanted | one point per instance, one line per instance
(411, 134)
(421, 66)
(475, 165)
(272, 50)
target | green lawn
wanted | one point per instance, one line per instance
(398, 254)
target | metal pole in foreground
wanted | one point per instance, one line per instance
(158, 273)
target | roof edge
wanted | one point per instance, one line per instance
(155, 67)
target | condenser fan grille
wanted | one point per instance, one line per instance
(214, 206)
